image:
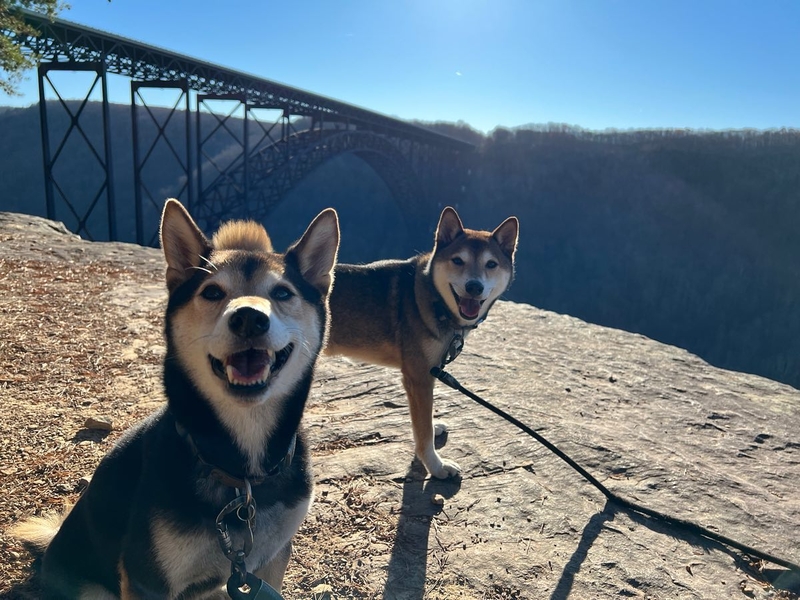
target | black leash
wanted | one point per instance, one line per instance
(623, 503)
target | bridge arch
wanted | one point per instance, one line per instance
(254, 189)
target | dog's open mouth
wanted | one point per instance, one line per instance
(468, 308)
(250, 370)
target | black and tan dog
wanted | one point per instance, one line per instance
(224, 459)
(406, 313)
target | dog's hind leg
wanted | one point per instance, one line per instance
(274, 570)
(419, 389)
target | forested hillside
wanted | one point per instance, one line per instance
(686, 237)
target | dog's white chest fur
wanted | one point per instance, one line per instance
(193, 557)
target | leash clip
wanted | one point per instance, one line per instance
(446, 378)
(241, 584)
(453, 349)
(244, 506)
(251, 588)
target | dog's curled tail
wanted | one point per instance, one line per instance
(38, 532)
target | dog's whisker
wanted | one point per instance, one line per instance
(198, 268)
(208, 262)
(305, 351)
(199, 339)
(305, 345)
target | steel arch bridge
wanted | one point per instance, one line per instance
(260, 182)
(276, 135)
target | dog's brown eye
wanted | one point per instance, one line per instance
(213, 293)
(281, 293)
(458, 261)
(491, 264)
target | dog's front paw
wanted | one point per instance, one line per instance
(445, 469)
(440, 428)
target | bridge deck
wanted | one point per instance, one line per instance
(63, 41)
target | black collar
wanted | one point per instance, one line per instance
(223, 476)
(445, 319)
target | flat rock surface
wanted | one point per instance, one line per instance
(82, 337)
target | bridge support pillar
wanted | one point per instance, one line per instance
(156, 136)
(221, 121)
(81, 203)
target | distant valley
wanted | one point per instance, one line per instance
(686, 237)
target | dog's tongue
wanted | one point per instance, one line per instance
(469, 307)
(249, 365)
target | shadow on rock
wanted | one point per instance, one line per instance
(408, 562)
(780, 579)
(588, 538)
(89, 435)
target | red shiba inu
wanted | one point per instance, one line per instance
(408, 313)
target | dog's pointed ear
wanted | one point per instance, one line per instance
(315, 252)
(183, 243)
(449, 227)
(506, 235)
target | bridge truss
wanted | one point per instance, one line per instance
(277, 135)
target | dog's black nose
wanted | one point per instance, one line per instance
(474, 287)
(248, 322)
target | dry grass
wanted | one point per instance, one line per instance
(342, 513)
(62, 357)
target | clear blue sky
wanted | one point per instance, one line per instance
(714, 64)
